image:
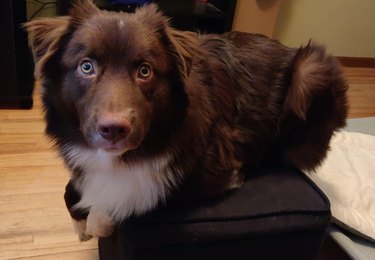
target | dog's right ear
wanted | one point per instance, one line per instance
(44, 34)
(83, 10)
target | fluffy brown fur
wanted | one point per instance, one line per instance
(205, 107)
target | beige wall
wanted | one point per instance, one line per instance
(346, 27)
(47, 11)
(256, 16)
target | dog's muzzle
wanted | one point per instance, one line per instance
(112, 133)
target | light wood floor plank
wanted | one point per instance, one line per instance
(77, 255)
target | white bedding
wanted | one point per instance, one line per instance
(347, 177)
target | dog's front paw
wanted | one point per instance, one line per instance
(99, 224)
(80, 229)
(237, 179)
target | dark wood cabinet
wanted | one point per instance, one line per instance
(215, 16)
(16, 65)
(212, 16)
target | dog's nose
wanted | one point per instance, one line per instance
(113, 130)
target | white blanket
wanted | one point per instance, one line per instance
(347, 177)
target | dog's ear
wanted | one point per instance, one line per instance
(44, 33)
(82, 10)
(182, 43)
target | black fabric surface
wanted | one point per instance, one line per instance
(275, 207)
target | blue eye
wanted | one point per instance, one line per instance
(87, 67)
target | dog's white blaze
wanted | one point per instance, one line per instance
(120, 24)
(118, 188)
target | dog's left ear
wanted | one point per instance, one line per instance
(182, 43)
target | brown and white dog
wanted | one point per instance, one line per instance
(139, 110)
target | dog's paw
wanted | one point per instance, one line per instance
(99, 224)
(80, 229)
(237, 179)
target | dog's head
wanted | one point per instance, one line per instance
(115, 77)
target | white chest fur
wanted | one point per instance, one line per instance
(119, 188)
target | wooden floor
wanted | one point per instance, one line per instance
(34, 223)
(361, 91)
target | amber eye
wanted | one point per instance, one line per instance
(144, 71)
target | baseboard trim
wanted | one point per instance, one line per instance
(357, 62)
